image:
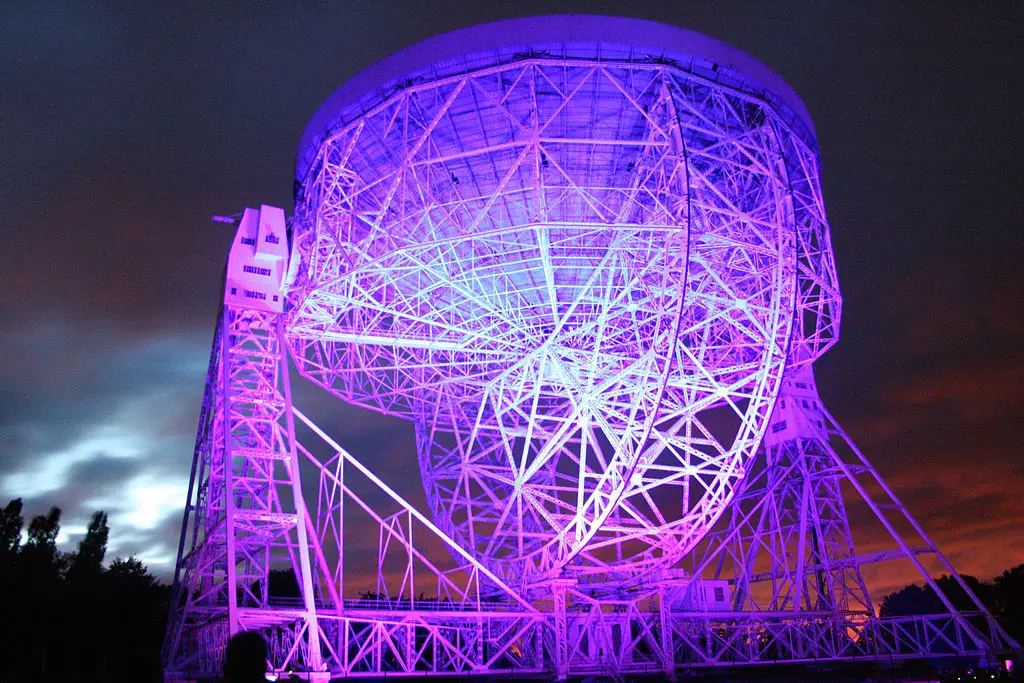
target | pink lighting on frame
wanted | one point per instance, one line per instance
(587, 259)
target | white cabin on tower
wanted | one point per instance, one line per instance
(258, 261)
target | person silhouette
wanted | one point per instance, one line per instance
(245, 659)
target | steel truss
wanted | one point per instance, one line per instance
(503, 258)
(431, 616)
(596, 287)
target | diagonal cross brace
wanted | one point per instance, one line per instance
(413, 511)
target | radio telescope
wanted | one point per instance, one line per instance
(587, 259)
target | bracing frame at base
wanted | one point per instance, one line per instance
(783, 557)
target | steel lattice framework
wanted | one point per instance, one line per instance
(594, 277)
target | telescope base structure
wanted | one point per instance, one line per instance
(778, 582)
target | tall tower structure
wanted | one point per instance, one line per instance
(587, 259)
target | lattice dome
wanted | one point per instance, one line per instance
(580, 269)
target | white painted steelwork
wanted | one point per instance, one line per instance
(594, 275)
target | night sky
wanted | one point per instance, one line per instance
(125, 129)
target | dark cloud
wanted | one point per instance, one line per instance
(93, 420)
(63, 380)
(94, 479)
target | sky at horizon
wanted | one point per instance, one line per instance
(125, 128)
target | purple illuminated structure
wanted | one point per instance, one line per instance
(587, 258)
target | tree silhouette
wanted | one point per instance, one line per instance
(66, 617)
(43, 530)
(130, 571)
(136, 614)
(88, 562)
(1008, 603)
(39, 554)
(914, 599)
(11, 524)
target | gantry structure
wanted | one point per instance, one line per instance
(587, 258)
